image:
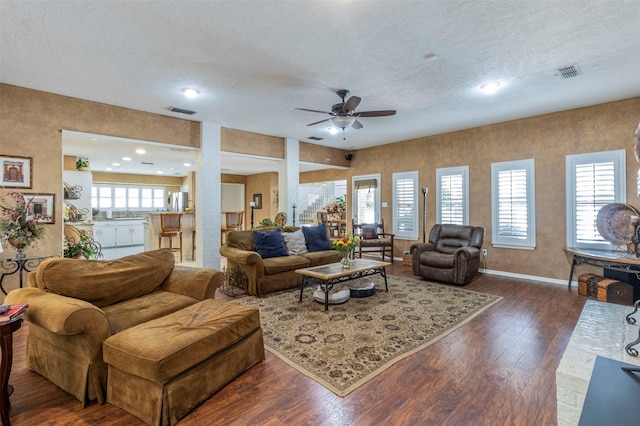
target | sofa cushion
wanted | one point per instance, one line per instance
(105, 282)
(242, 240)
(295, 242)
(275, 265)
(270, 244)
(129, 313)
(437, 260)
(323, 257)
(369, 232)
(316, 237)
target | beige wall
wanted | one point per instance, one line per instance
(31, 123)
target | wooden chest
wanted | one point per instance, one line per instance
(605, 289)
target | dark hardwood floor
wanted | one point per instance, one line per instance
(498, 369)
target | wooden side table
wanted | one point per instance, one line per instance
(6, 345)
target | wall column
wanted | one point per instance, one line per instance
(208, 202)
(289, 180)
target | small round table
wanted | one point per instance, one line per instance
(6, 346)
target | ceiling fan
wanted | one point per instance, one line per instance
(343, 114)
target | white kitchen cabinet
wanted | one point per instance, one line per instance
(119, 233)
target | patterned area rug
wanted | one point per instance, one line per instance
(357, 340)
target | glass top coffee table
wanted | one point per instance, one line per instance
(329, 275)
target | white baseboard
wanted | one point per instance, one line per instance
(527, 277)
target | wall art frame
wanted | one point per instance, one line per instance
(16, 172)
(257, 199)
(42, 207)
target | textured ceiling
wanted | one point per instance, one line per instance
(254, 62)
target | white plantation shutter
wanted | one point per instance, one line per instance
(593, 181)
(452, 195)
(513, 199)
(405, 205)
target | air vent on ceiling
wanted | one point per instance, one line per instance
(146, 163)
(181, 111)
(569, 71)
(315, 138)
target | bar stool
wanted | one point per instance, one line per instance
(171, 226)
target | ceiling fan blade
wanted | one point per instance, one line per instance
(375, 113)
(314, 110)
(357, 125)
(318, 122)
(351, 104)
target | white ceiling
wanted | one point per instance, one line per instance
(254, 62)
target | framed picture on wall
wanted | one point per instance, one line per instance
(16, 172)
(41, 207)
(257, 199)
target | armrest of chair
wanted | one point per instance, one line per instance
(416, 250)
(467, 253)
(61, 314)
(199, 283)
(250, 262)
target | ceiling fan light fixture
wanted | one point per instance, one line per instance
(343, 122)
(333, 130)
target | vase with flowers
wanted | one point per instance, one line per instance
(17, 226)
(345, 246)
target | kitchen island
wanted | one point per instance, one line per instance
(152, 231)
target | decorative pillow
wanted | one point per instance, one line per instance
(316, 237)
(270, 244)
(370, 232)
(295, 242)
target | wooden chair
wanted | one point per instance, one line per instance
(373, 239)
(233, 222)
(170, 227)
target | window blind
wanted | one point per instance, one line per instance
(405, 205)
(512, 204)
(452, 199)
(594, 188)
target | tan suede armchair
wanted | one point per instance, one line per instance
(74, 305)
(452, 254)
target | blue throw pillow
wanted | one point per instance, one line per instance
(270, 244)
(316, 237)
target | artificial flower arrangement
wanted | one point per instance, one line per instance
(336, 206)
(16, 225)
(345, 246)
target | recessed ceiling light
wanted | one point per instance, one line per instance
(115, 164)
(491, 87)
(94, 139)
(159, 172)
(126, 158)
(108, 168)
(431, 57)
(190, 92)
(187, 164)
(140, 151)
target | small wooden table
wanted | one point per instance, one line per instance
(621, 261)
(328, 275)
(6, 345)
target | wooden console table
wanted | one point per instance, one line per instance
(6, 345)
(621, 261)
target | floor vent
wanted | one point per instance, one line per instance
(181, 111)
(315, 138)
(568, 72)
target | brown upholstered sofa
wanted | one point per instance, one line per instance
(74, 305)
(274, 273)
(452, 254)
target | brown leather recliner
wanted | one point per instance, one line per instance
(452, 254)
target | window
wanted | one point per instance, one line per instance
(593, 180)
(452, 195)
(366, 199)
(127, 197)
(513, 204)
(405, 205)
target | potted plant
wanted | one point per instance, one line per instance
(80, 245)
(336, 207)
(17, 226)
(82, 163)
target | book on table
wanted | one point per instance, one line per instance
(9, 312)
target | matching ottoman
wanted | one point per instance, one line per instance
(162, 369)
